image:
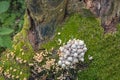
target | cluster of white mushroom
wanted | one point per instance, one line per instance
(71, 53)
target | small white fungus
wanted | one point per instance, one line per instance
(59, 33)
(72, 53)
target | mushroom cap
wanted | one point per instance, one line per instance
(85, 49)
(76, 43)
(74, 50)
(81, 42)
(59, 62)
(61, 49)
(67, 63)
(75, 55)
(63, 65)
(73, 46)
(81, 59)
(65, 56)
(81, 46)
(72, 53)
(68, 46)
(61, 58)
(75, 61)
(69, 58)
(59, 33)
(79, 51)
(82, 54)
(78, 47)
(67, 52)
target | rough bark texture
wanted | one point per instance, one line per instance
(107, 10)
(46, 14)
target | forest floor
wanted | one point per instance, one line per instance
(104, 48)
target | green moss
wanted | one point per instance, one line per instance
(77, 27)
(23, 50)
(1, 78)
(104, 48)
(22, 44)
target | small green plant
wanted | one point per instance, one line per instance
(11, 20)
(5, 39)
(4, 5)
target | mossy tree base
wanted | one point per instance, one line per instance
(104, 48)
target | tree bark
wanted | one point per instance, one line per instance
(46, 14)
(107, 10)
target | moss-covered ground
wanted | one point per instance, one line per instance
(14, 62)
(105, 48)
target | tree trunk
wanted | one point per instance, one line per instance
(46, 14)
(107, 10)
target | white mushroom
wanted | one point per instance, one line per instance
(90, 57)
(75, 55)
(59, 62)
(68, 46)
(61, 49)
(78, 46)
(81, 46)
(85, 49)
(73, 46)
(75, 60)
(61, 58)
(59, 33)
(67, 63)
(67, 52)
(65, 56)
(81, 42)
(82, 54)
(76, 43)
(69, 58)
(63, 65)
(74, 50)
(79, 51)
(81, 59)
(72, 53)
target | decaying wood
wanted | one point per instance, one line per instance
(107, 10)
(46, 14)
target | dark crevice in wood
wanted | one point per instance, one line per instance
(32, 33)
